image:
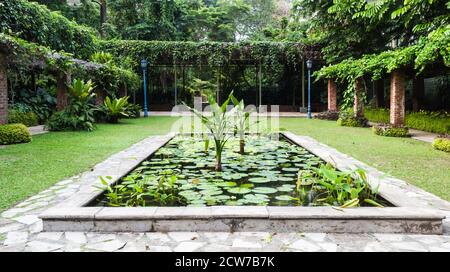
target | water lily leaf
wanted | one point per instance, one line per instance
(264, 190)
(259, 180)
(284, 198)
(239, 190)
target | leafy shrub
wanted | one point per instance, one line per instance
(79, 114)
(442, 144)
(328, 115)
(115, 108)
(133, 110)
(347, 119)
(327, 186)
(41, 102)
(27, 118)
(437, 122)
(390, 131)
(14, 134)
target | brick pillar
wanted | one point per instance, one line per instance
(418, 92)
(397, 117)
(63, 80)
(332, 100)
(3, 91)
(378, 93)
(358, 106)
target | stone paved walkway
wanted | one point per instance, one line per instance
(37, 130)
(21, 230)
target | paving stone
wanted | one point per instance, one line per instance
(183, 236)
(11, 227)
(214, 237)
(328, 247)
(109, 246)
(159, 249)
(316, 237)
(376, 247)
(304, 245)
(39, 246)
(36, 227)
(55, 236)
(408, 246)
(188, 246)
(27, 219)
(15, 237)
(99, 237)
(238, 242)
(75, 237)
(383, 237)
(439, 249)
(157, 238)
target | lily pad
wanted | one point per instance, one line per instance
(259, 180)
(264, 190)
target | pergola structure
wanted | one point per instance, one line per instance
(217, 55)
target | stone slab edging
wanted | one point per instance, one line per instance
(72, 215)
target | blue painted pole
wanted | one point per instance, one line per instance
(309, 94)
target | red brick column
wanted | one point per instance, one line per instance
(397, 117)
(3, 91)
(332, 100)
(62, 82)
(358, 106)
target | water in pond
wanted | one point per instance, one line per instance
(265, 175)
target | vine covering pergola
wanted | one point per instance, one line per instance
(217, 55)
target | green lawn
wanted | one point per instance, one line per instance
(26, 169)
(29, 168)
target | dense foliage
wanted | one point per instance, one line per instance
(442, 144)
(437, 122)
(79, 114)
(17, 116)
(212, 53)
(36, 23)
(348, 119)
(14, 134)
(389, 131)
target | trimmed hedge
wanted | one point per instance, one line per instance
(14, 134)
(390, 131)
(29, 118)
(436, 122)
(442, 144)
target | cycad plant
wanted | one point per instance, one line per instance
(115, 108)
(241, 117)
(218, 125)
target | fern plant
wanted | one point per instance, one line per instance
(115, 108)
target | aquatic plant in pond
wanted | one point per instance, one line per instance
(218, 124)
(271, 172)
(240, 124)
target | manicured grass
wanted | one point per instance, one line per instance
(29, 168)
(411, 160)
(26, 169)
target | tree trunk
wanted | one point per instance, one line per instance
(242, 146)
(358, 107)
(102, 16)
